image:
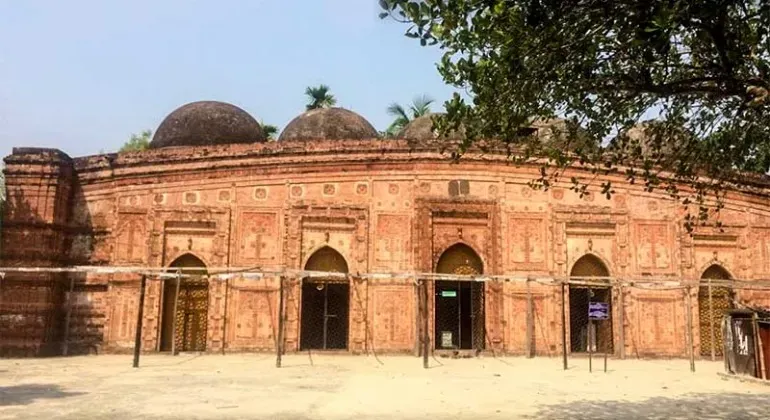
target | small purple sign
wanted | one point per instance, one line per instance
(598, 310)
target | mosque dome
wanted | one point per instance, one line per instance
(328, 124)
(654, 145)
(555, 132)
(421, 128)
(207, 123)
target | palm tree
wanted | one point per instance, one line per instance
(319, 97)
(420, 106)
(270, 131)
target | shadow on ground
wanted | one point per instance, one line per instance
(26, 394)
(690, 406)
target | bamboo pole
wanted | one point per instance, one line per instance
(139, 318)
(758, 348)
(224, 317)
(712, 327)
(222, 273)
(622, 322)
(425, 324)
(281, 323)
(67, 318)
(530, 322)
(563, 327)
(417, 317)
(173, 319)
(689, 338)
(765, 368)
(256, 273)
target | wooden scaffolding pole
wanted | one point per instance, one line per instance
(530, 321)
(281, 323)
(712, 327)
(758, 347)
(621, 321)
(224, 317)
(67, 318)
(139, 317)
(689, 338)
(173, 320)
(563, 327)
(425, 324)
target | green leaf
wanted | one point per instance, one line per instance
(610, 65)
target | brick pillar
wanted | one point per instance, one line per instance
(36, 212)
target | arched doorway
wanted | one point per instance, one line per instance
(596, 334)
(325, 303)
(184, 320)
(459, 305)
(710, 319)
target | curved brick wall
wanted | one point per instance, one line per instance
(385, 205)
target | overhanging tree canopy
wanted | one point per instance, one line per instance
(701, 67)
(138, 142)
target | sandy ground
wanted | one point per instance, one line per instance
(364, 387)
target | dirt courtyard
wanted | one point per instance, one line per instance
(365, 387)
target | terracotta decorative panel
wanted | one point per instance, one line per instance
(191, 197)
(124, 301)
(711, 246)
(598, 239)
(515, 309)
(256, 321)
(705, 257)
(448, 234)
(392, 245)
(196, 230)
(131, 238)
(258, 238)
(761, 250)
(199, 244)
(527, 242)
(547, 336)
(654, 245)
(545, 331)
(589, 229)
(658, 327)
(394, 316)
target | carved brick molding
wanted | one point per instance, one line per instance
(596, 230)
(440, 224)
(309, 228)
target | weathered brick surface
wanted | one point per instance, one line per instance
(384, 205)
(39, 187)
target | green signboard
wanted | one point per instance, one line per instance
(449, 293)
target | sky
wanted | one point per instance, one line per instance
(82, 76)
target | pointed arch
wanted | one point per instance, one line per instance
(184, 312)
(325, 303)
(189, 261)
(714, 302)
(459, 305)
(716, 271)
(327, 259)
(460, 259)
(585, 335)
(589, 265)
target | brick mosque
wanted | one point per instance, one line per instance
(330, 195)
